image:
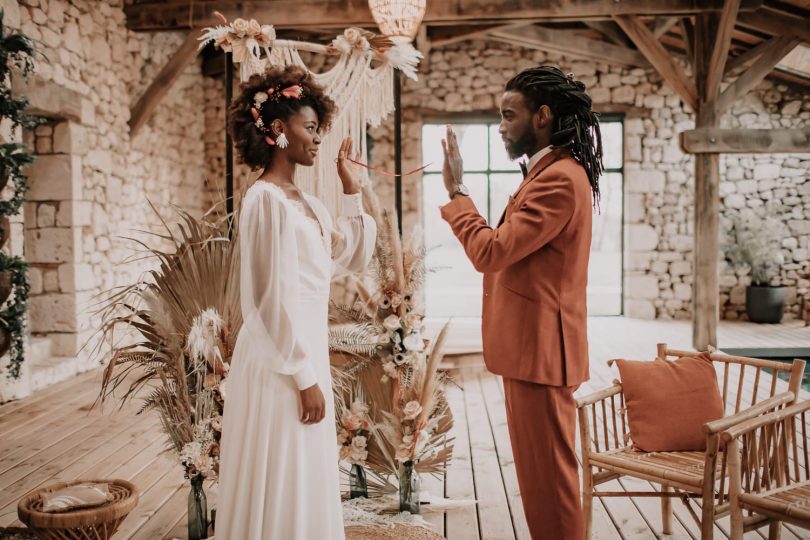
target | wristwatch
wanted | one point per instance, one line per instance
(461, 189)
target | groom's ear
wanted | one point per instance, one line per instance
(543, 117)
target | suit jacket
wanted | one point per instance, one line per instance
(535, 266)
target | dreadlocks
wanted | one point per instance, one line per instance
(576, 126)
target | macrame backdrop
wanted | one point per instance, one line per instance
(360, 82)
(364, 96)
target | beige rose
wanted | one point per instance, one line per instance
(412, 410)
(254, 28)
(240, 26)
(359, 443)
(392, 323)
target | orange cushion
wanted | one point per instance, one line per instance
(668, 401)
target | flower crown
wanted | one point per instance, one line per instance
(274, 94)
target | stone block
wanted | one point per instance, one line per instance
(46, 215)
(69, 138)
(645, 181)
(50, 280)
(99, 160)
(54, 178)
(48, 99)
(53, 313)
(641, 237)
(642, 287)
(766, 171)
(634, 209)
(52, 245)
(74, 214)
(35, 280)
(682, 291)
(681, 268)
(639, 309)
(76, 277)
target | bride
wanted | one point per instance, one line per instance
(279, 469)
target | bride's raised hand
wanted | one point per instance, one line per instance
(348, 171)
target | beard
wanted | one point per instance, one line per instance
(525, 143)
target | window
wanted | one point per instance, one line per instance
(453, 286)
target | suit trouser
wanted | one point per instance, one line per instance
(542, 428)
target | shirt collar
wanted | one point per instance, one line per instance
(535, 159)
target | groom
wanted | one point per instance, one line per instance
(535, 265)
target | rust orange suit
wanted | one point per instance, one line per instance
(535, 266)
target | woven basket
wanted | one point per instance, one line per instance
(99, 522)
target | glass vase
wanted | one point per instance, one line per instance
(197, 510)
(409, 488)
(358, 486)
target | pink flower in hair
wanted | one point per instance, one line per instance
(293, 92)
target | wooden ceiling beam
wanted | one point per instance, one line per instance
(663, 24)
(771, 56)
(570, 43)
(164, 81)
(688, 31)
(343, 13)
(776, 23)
(474, 33)
(745, 141)
(658, 56)
(746, 58)
(610, 30)
(719, 54)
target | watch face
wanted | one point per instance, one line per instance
(464, 190)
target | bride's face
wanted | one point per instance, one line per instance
(302, 131)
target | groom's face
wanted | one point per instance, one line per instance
(517, 126)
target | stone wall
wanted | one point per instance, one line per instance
(93, 183)
(468, 78)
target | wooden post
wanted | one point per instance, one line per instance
(706, 286)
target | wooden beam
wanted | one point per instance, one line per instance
(688, 31)
(170, 72)
(776, 23)
(342, 13)
(757, 72)
(719, 53)
(746, 58)
(745, 141)
(480, 32)
(658, 56)
(570, 43)
(610, 30)
(706, 278)
(662, 25)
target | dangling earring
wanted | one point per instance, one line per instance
(281, 141)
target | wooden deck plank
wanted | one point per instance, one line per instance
(462, 523)
(494, 519)
(492, 390)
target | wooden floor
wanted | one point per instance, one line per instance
(52, 436)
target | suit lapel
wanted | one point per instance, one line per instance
(541, 165)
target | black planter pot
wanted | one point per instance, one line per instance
(765, 304)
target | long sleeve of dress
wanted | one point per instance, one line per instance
(354, 237)
(269, 285)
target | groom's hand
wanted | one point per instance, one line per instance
(453, 166)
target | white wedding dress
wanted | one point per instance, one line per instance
(278, 477)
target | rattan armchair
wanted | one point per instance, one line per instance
(608, 454)
(769, 471)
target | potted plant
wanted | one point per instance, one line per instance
(756, 244)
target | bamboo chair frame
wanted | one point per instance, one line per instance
(769, 471)
(605, 448)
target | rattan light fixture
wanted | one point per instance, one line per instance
(398, 18)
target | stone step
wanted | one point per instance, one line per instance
(54, 369)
